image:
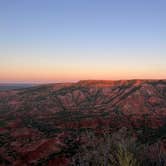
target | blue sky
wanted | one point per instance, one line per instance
(63, 40)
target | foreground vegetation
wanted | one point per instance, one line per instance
(118, 149)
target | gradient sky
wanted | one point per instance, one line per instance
(68, 40)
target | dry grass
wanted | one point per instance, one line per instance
(117, 149)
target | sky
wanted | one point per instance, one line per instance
(70, 40)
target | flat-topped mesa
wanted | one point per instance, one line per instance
(117, 82)
(104, 83)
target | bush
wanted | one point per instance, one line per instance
(106, 150)
(118, 149)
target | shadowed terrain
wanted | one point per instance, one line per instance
(4, 87)
(44, 125)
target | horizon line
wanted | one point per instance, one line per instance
(76, 81)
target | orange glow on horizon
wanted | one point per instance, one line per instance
(68, 75)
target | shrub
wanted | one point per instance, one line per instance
(106, 150)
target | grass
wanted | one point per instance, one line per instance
(125, 157)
